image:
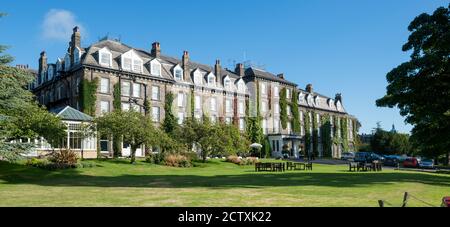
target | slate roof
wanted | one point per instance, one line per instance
(71, 114)
(266, 75)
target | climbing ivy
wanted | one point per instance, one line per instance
(170, 121)
(117, 102)
(88, 93)
(295, 113)
(307, 133)
(253, 124)
(192, 97)
(283, 108)
(344, 133)
(325, 131)
(336, 130)
(315, 135)
(356, 140)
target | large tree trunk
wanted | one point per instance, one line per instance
(133, 153)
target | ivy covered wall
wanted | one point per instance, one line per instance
(296, 127)
(325, 131)
(283, 108)
(88, 96)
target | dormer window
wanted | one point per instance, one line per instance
(317, 100)
(131, 62)
(227, 83)
(155, 68)
(105, 57)
(211, 80)
(198, 77)
(178, 73)
(137, 65)
(126, 64)
(241, 86)
(301, 97)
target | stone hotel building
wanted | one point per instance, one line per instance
(223, 94)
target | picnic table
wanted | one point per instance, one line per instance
(270, 167)
(299, 165)
(365, 166)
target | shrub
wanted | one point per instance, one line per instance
(64, 158)
(155, 158)
(177, 160)
(242, 161)
(35, 162)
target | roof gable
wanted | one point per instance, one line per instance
(71, 114)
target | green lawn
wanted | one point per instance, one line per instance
(117, 183)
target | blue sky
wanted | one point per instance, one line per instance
(344, 46)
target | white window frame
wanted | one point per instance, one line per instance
(276, 91)
(198, 77)
(104, 80)
(122, 88)
(228, 106)
(126, 106)
(136, 94)
(227, 83)
(263, 89)
(156, 113)
(180, 99)
(213, 104)
(178, 68)
(102, 107)
(211, 80)
(101, 53)
(241, 107)
(198, 102)
(155, 68)
(156, 96)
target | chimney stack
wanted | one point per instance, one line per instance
(156, 50)
(338, 97)
(281, 76)
(74, 43)
(43, 62)
(185, 62)
(218, 71)
(240, 69)
(309, 88)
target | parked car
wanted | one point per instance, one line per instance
(426, 164)
(391, 160)
(348, 156)
(368, 157)
(411, 163)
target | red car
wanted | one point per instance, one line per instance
(411, 163)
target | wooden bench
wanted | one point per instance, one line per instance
(353, 166)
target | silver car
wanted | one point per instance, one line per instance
(426, 164)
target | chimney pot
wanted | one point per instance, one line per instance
(76, 29)
(309, 88)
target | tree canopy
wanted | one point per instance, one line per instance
(20, 115)
(420, 87)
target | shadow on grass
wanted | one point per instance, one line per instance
(19, 174)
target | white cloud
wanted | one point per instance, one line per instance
(58, 25)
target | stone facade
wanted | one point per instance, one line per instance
(219, 93)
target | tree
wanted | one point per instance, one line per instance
(170, 121)
(420, 87)
(20, 115)
(134, 128)
(296, 127)
(390, 143)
